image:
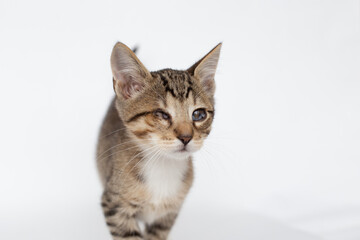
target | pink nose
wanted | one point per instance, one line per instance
(185, 139)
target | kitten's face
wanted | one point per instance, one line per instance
(168, 112)
(177, 117)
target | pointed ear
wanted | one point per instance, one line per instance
(204, 70)
(129, 74)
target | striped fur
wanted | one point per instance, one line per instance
(144, 163)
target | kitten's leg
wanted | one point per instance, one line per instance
(120, 218)
(159, 230)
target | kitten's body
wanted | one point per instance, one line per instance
(144, 154)
(162, 185)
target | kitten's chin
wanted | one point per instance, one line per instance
(178, 155)
(181, 152)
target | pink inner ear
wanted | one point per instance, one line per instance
(130, 88)
(126, 85)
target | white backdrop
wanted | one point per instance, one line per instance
(283, 161)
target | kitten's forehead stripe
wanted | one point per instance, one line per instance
(188, 91)
(177, 83)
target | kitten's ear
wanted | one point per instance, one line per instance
(205, 69)
(129, 74)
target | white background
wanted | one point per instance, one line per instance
(283, 161)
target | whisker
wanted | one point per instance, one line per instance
(153, 149)
(112, 133)
(206, 162)
(148, 150)
(156, 155)
(117, 145)
(120, 144)
(224, 156)
(122, 150)
(211, 158)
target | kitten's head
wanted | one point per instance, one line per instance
(167, 112)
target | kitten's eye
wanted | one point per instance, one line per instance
(199, 115)
(162, 114)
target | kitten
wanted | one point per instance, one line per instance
(153, 125)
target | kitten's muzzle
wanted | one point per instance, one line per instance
(185, 139)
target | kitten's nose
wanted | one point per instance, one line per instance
(185, 139)
(184, 132)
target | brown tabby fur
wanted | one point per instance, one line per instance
(134, 139)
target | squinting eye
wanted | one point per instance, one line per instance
(199, 115)
(162, 114)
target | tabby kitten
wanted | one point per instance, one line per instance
(153, 125)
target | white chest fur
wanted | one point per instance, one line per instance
(164, 178)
